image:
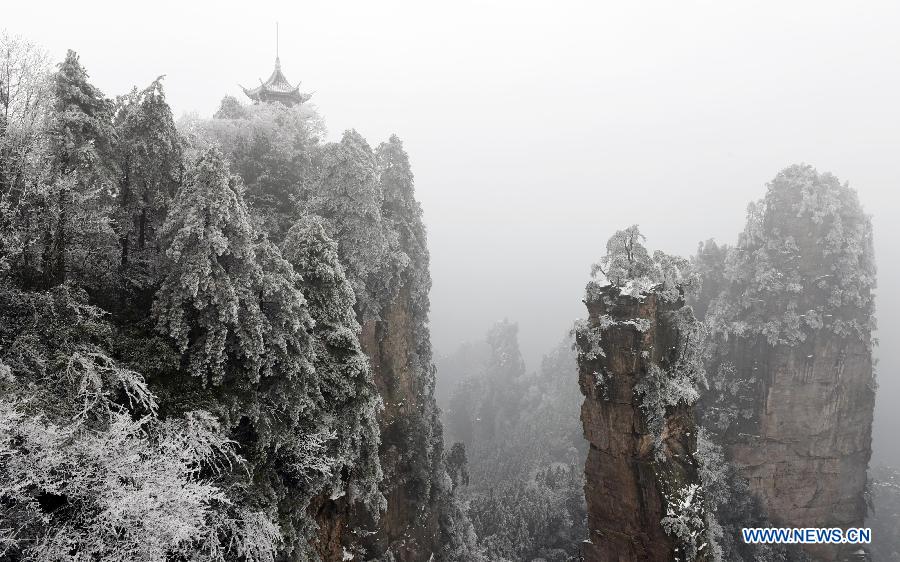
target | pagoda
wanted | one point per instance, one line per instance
(277, 88)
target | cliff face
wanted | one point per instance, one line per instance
(805, 443)
(793, 392)
(411, 444)
(640, 468)
(414, 484)
(387, 259)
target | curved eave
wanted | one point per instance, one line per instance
(251, 92)
(265, 95)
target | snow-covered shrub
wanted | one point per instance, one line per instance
(591, 335)
(87, 467)
(713, 471)
(677, 377)
(685, 520)
(116, 492)
(659, 391)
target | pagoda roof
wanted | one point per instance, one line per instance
(277, 88)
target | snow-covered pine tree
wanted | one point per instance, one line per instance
(274, 149)
(350, 198)
(149, 151)
(629, 266)
(207, 301)
(403, 213)
(78, 238)
(348, 400)
(626, 257)
(284, 371)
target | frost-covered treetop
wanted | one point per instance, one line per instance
(630, 267)
(804, 262)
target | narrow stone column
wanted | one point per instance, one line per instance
(640, 468)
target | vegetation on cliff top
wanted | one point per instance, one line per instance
(180, 307)
(805, 262)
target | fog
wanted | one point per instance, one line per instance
(536, 130)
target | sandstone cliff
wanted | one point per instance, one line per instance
(409, 530)
(642, 484)
(421, 521)
(804, 444)
(411, 436)
(793, 387)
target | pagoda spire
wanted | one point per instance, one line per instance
(277, 88)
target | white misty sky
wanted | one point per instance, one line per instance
(537, 129)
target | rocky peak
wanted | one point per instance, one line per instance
(643, 492)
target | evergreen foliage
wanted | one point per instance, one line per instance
(349, 401)
(150, 171)
(676, 377)
(803, 263)
(275, 150)
(207, 300)
(349, 197)
(629, 266)
(78, 237)
(155, 327)
(362, 201)
(403, 214)
(86, 464)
